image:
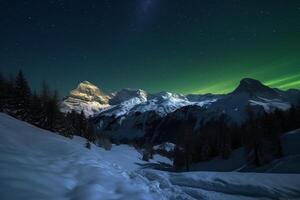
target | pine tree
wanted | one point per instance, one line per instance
(44, 98)
(9, 95)
(22, 95)
(49, 108)
(35, 109)
(184, 144)
(90, 134)
(82, 124)
(63, 125)
(2, 92)
(253, 139)
(56, 115)
(72, 120)
(179, 158)
(104, 141)
(224, 137)
(88, 144)
(68, 129)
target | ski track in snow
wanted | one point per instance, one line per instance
(37, 164)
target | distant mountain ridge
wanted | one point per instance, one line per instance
(88, 98)
(131, 113)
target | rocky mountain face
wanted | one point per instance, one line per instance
(135, 114)
(87, 98)
(127, 94)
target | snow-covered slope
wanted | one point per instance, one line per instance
(38, 164)
(87, 98)
(289, 163)
(226, 186)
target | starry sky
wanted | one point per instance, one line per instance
(184, 46)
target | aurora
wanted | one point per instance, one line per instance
(183, 47)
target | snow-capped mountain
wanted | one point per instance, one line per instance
(132, 113)
(251, 92)
(139, 102)
(123, 101)
(154, 114)
(127, 94)
(87, 98)
(162, 103)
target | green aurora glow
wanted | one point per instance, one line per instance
(180, 46)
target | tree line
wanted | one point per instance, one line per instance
(260, 136)
(41, 108)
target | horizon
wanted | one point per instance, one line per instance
(269, 84)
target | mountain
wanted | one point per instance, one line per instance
(127, 94)
(134, 113)
(87, 98)
(251, 92)
(253, 87)
(154, 118)
(140, 102)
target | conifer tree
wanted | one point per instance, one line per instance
(8, 95)
(2, 92)
(179, 158)
(35, 109)
(22, 95)
(54, 112)
(45, 98)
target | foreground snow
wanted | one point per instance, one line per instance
(233, 185)
(37, 164)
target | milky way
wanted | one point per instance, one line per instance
(146, 10)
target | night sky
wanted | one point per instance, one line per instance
(185, 46)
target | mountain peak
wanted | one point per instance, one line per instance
(87, 97)
(89, 92)
(251, 86)
(250, 81)
(126, 94)
(86, 87)
(86, 83)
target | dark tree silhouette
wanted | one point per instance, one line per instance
(22, 96)
(2, 92)
(41, 109)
